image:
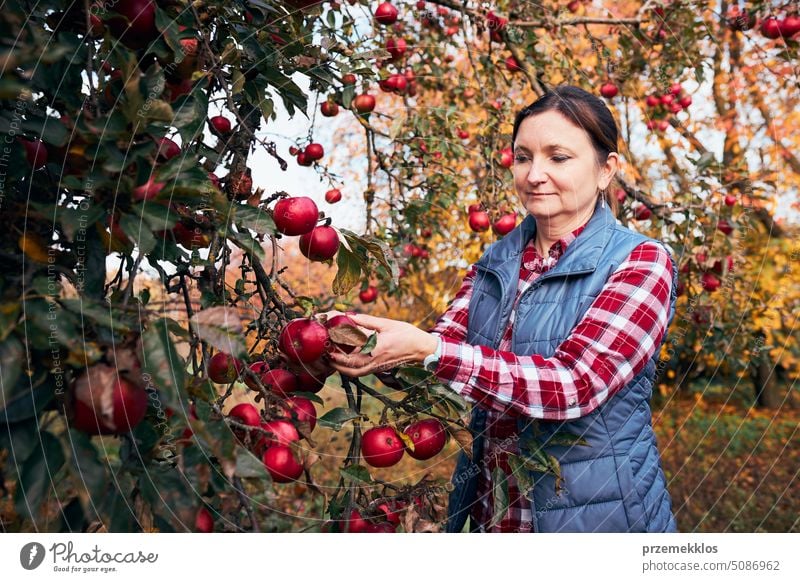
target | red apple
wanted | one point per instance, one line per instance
(386, 13)
(280, 381)
(653, 101)
(135, 22)
(428, 437)
(369, 294)
(295, 216)
(342, 320)
(104, 402)
(740, 19)
(304, 340)
(709, 282)
(396, 47)
(381, 447)
(479, 221)
(790, 25)
(224, 368)
(506, 157)
(314, 152)
(505, 224)
(329, 109)
(642, 212)
(301, 409)
(281, 464)
(148, 190)
(349, 79)
(393, 510)
(771, 27)
(283, 433)
(259, 369)
(245, 413)
(167, 149)
(725, 227)
(220, 125)
(609, 90)
(321, 244)
(333, 196)
(203, 521)
(35, 152)
(191, 237)
(364, 103)
(730, 200)
(311, 382)
(356, 524)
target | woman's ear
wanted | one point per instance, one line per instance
(609, 170)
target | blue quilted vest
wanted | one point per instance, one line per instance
(616, 483)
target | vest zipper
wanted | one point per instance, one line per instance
(535, 285)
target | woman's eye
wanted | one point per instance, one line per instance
(559, 159)
(520, 159)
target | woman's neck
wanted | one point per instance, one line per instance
(549, 232)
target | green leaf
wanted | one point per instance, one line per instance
(38, 476)
(103, 314)
(255, 219)
(500, 496)
(163, 363)
(336, 418)
(222, 328)
(267, 109)
(356, 474)
(11, 357)
(139, 232)
(349, 273)
(445, 394)
(522, 474)
(28, 402)
(85, 465)
(9, 314)
(245, 241)
(565, 439)
(413, 375)
(370, 344)
(248, 466)
(191, 112)
(375, 247)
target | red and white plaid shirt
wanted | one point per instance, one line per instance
(609, 346)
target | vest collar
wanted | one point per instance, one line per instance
(581, 255)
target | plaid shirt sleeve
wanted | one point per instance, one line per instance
(453, 323)
(610, 345)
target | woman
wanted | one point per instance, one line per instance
(556, 330)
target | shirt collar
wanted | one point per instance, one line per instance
(531, 254)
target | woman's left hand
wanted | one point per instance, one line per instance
(398, 343)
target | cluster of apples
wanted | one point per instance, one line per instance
(673, 101)
(771, 27)
(304, 343)
(298, 216)
(479, 221)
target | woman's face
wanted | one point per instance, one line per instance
(556, 174)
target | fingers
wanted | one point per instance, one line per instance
(329, 314)
(369, 321)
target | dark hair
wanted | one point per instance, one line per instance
(586, 111)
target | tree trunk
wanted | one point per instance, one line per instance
(766, 390)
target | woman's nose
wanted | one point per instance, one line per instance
(536, 174)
